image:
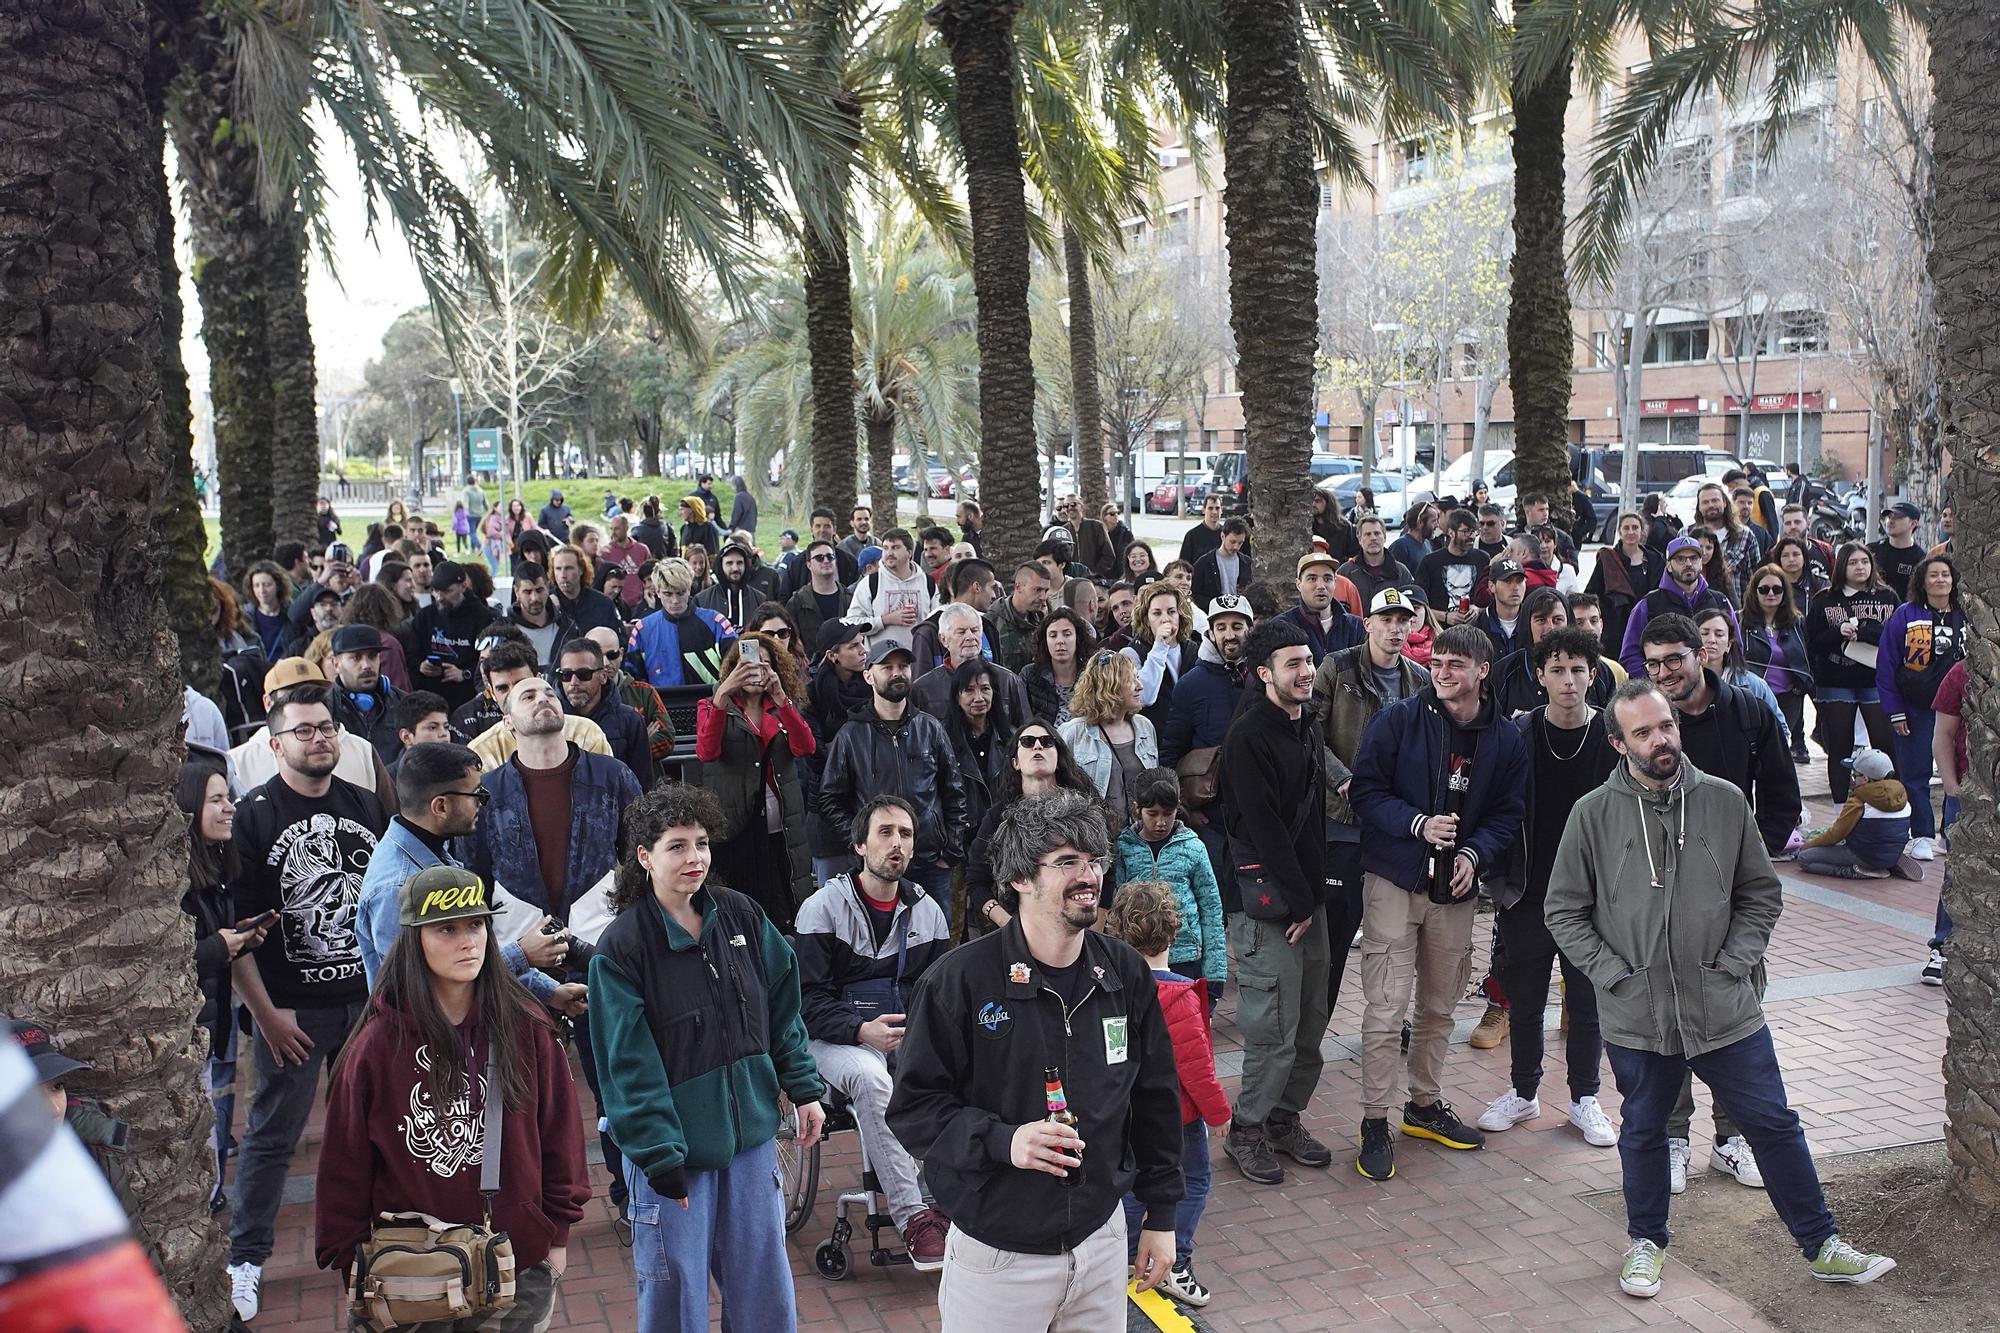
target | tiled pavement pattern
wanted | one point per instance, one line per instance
(1493, 1240)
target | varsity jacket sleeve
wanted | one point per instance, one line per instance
(928, 1113)
(816, 941)
(1155, 1124)
(797, 1074)
(1755, 900)
(1571, 909)
(1373, 792)
(632, 1082)
(1888, 658)
(1500, 823)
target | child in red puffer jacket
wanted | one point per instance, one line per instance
(1146, 915)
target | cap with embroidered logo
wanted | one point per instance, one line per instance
(444, 893)
(1391, 599)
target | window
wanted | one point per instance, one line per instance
(1671, 343)
(1417, 164)
(1683, 171)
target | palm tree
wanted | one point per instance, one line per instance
(98, 946)
(1539, 332)
(1965, 70)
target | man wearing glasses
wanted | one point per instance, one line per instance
(304, 840)
(638, 695)
(1682, 591)
(1038, 1230)
(820, 596)
(585, 680)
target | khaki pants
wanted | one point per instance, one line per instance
(984, 1290)
(1406, 936)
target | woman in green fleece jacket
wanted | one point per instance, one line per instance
(694, 1003)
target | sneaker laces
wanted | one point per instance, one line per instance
(243, 1279)
(1643, 1259)
(1588, 1109)
(1838, 1251)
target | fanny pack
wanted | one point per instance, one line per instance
(416, 1269)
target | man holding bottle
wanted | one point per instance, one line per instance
(1034, 1064)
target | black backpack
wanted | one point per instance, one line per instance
(242, 691)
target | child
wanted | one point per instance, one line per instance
(104, 1136)
(461, 528)
(1144, 915)
(1156, 845)
(1865, 841)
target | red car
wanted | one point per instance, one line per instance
(1161, 499)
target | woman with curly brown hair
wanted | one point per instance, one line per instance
(697, 1028)
(1164, 645)
(233, 634)
(749, 736)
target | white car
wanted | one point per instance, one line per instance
(1680, 500)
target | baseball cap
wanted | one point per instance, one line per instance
(289, 671)
(325, 594)
(356, 639)
(1391, 599)
(1056, 532)
(50, 1063)
(1311, 558)
(1679, 544)
(1232, 604)
(883, 649)
(1871, 765)
(443, 893)
(1507, 569)
(833, 633)
(1906, 510)
(447, 572)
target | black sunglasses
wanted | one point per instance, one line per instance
(1037, 742)
(478, 795)
(567, 674)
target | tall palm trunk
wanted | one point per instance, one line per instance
(830, 355)
(1085, 388)
(97, 944)
(1965, 70)
(1539, 333)
(881, 427)
(294, 409)
(1272, 198)
(178, 520)
(980, 34)
(228, 236)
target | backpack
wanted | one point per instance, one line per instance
(242, 691)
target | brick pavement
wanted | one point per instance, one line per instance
(1494, 1240)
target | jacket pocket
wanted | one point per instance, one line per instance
(1728, 1002)
(1625, 1009)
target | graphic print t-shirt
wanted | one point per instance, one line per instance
(304, 857)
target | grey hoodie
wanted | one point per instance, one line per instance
(1672, 964)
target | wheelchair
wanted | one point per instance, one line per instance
(799, 1171)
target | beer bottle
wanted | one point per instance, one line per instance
(1059, 1112)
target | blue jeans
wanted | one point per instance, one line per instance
(1746, 1081)
(733, 1229)
(936, 880)
(279, 1109)
(1194, 1196)
(1913, 766)
(1941, 930)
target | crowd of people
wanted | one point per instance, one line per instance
(978, 850)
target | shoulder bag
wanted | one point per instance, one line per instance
(416, 1269)
(1200, 773)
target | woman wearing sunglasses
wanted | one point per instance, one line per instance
(1038, 763)
(1774, 647)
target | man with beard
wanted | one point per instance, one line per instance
(970, 584)
(548, 835)
(1329, 609)
(637, 695)
(304, 840)
(1448, 576)
(860, 532)
(1037, 1082)
(1272, 770)
(818, 596)
(537, 615)
(836, 690)
(505, 665)
(586, 607)
(887, 746)
(1016, 616)
(1373, 569)
(441, 634)
(731, 596)
(1714, 510)
(1671, 957)
(863, 940)
(1204, 703)
(586, 680)
(363, 701)
(1682, 591)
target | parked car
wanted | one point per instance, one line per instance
(1388, 487)
(1162, 499)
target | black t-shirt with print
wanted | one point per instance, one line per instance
(305, 857)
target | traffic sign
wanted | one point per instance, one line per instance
(485, 448)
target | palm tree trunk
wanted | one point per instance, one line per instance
(228, 236)
(830, 356)
(1085, 387)
(980, 34)
(881, 472)
(294, 407)
(1272, 197)
(97, 944)
(1539, 333)
(182, 535)
(1965, 70)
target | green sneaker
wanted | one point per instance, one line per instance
(1840, 1262)
(1641, 1274)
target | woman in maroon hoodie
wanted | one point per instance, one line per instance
(404, 1130)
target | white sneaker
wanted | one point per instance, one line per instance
(1506, 1111)
(1733, 1155)
(1933, 973)
(1678, 1154)
(1587, 1115)
(243, 1283)
(1923, 849)
(1181, 1284)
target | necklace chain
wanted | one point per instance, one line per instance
(1548, 740)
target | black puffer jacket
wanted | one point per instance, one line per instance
(911, 757)
(211, 909)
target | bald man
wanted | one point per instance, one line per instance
(639, 694)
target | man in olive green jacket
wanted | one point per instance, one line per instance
(1664, 894)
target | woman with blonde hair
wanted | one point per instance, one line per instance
(749, 736)
(1164, 647)
(1112, 741)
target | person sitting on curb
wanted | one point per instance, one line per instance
(1865, 840)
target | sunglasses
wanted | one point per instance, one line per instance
(822, 559)
(1771, 590)
(1037, 742)
(568, 674)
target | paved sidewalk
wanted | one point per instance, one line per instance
(1493, 1240)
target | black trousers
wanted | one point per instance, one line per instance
(1343, 911)
(1527, 960)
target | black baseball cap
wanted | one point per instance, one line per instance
(1508, 569)
(447, 572)
(885, 648)
(1904, 509)
(835, 632)
(50, 1063)
(356, 639)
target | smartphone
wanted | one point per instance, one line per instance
(751, 651)
(258, 922)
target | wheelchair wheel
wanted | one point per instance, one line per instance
(798, 1169)
(832, 1261)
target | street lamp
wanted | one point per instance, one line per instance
(1402, 403)
(1799, 406)
(458, 423)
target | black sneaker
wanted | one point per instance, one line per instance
(1289, 1137)
(1406, 1037)
(1246, 1147)
(1440, 1124)
(1378, 1151)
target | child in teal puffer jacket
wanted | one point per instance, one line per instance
(1156, 845)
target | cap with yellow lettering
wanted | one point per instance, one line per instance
(444, 893)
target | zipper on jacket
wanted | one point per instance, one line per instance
(1673, 981)
(728, 1090)
(1068, 1202)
